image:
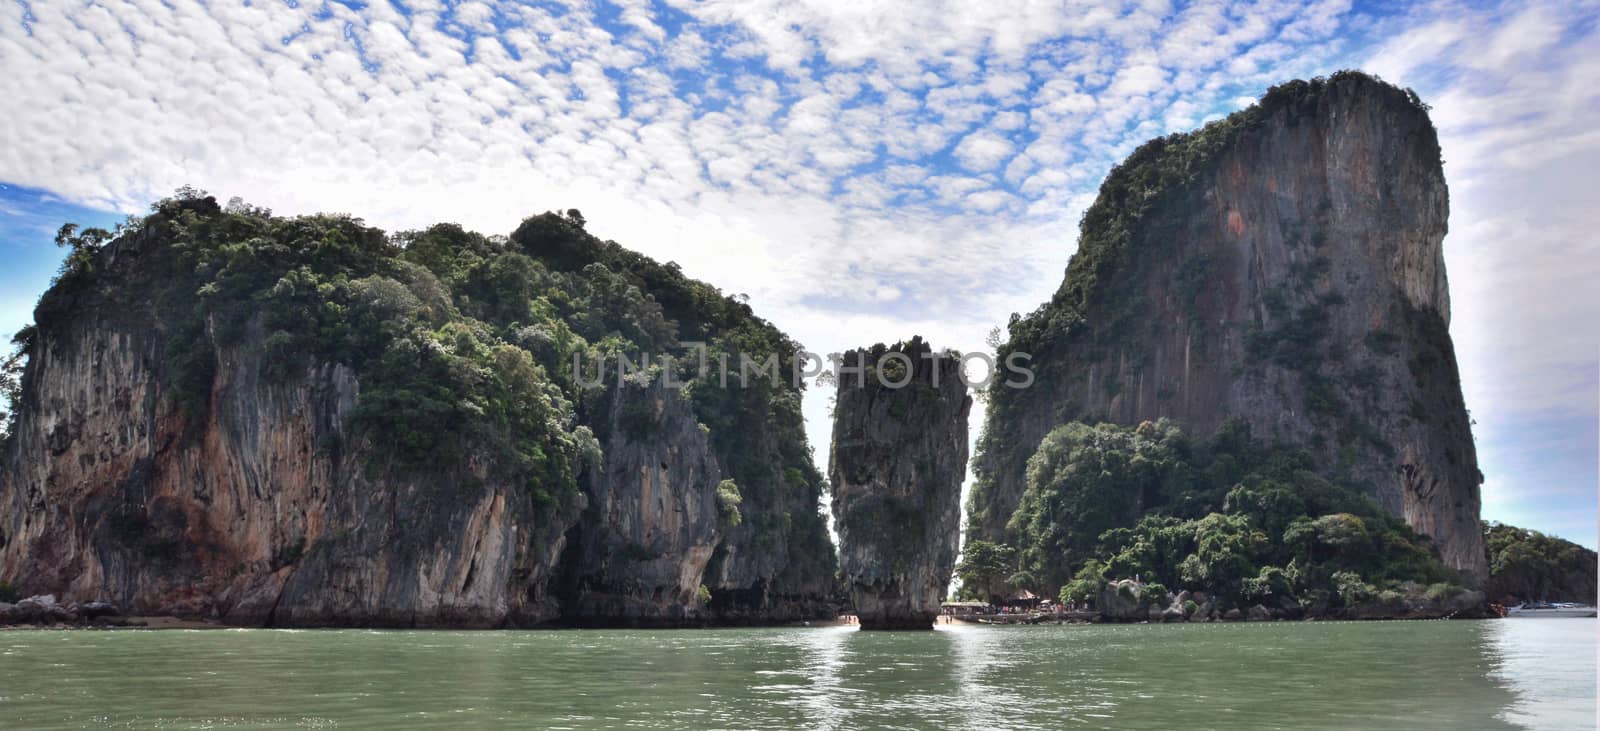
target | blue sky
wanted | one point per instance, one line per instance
(864, 170)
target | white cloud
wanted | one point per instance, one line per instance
(983, 151)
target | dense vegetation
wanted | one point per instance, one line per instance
(466, 342)
(1526, 565)
(1244, 522)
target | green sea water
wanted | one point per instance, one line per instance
(1535, 673)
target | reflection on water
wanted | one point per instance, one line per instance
(819, 679)
(980, 657)
(1507, 674)
(1549, 665)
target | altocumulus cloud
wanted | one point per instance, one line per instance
(862, 170)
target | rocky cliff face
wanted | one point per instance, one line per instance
(899, 457)
(1282, 267)
(259, 511)
(405, 450)
(777, 562)
(640, 551)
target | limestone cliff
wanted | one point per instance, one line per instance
(898, 459)
(651, 522)
(777, 563)
(260, 510)
(305, 422)
(1282, 267)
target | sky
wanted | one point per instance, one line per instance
(862, 170)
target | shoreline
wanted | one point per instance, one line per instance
(158, 623)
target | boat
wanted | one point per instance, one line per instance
(1550, 610)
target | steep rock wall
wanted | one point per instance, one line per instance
(1285, 268)
(898, 459)
(640, 551)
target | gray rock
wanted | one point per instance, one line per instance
(655, 524)
(899, 455)
(96, 610)
(1232, 615)
(1119, 601)
(40, 600)
(1259, 613)
(41, 609)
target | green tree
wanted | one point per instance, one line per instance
(1227, 515)
(983, 565)
(1086, 585)
(1269, 503)
(1085, 480)
(11, 391)
(728, 500)
(82, 247)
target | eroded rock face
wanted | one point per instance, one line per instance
(261, 511)
(639, 553)
(899, 456)
(1292, 278)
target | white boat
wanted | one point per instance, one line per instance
(1550, 610)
